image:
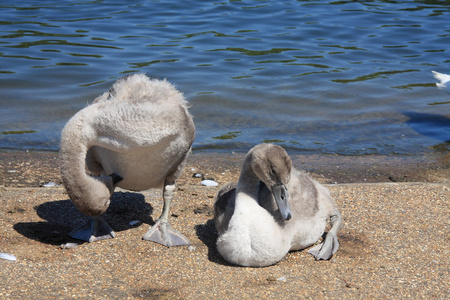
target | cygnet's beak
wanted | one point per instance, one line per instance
(281, 197)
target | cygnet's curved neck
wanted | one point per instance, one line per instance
(76, 139)
(248, 183)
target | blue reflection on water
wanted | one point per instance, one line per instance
(313, 76)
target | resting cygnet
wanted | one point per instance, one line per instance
(135, 136)
(272, 210)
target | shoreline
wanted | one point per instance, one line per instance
(34, 169)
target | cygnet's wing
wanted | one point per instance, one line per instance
(224, 206)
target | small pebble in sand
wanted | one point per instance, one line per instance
(69, 246)
(135, 222)
(7, 256)
(50, 184)
(209, 183)
(273, 278)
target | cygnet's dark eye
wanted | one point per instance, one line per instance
(272, 170)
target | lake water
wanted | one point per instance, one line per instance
(340, 77)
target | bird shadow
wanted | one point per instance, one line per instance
(61, 217)
(208, 235)
(431, 125)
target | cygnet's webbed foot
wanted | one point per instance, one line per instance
(162, 233)
(94, 230)
(327, 248)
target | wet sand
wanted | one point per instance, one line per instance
(394, 243)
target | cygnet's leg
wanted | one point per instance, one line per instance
(162, 232)
(95, 229)
(330, 245)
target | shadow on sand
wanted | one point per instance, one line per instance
(62, 216)
(208, 235)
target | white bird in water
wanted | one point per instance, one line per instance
(444, 81)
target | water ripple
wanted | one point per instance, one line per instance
(326, 76)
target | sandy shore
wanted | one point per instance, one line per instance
(394, 244)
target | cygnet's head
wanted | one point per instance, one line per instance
(273, 166)
(97, 194)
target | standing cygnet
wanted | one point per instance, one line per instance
(135, 136)
(273, 209)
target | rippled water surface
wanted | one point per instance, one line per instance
(345, 77)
